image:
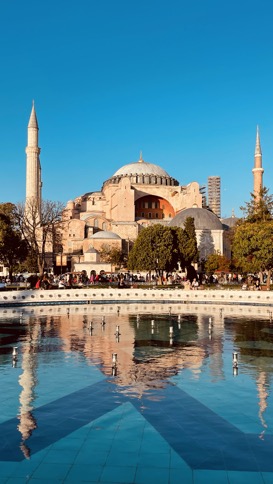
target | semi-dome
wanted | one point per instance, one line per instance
(203, 219)
(104, 234)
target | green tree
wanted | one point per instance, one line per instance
(260, 207)
(113, 255)
(29, 264)
(154, 249)
(13, 249)
(217, 262)
(252, 245)
(188, 250)
(8, 209)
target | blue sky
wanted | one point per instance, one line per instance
(185, 82)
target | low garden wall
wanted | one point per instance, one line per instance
(98, 295)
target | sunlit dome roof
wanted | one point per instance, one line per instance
(104, 234)
(141, 167)
(203, 219)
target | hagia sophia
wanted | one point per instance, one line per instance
(137, 195)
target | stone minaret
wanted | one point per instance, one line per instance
(258, 169)
(33, 166)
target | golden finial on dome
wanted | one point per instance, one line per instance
(140, 158)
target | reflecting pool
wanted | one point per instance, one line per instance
(135, 396)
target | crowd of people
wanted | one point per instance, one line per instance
(128, 279)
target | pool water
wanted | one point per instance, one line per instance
(135, 397)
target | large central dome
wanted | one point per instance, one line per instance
(142, 173)
(141, 167)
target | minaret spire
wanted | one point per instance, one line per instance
(33, 123)
(258, 167)
(33, 166)
(258, 150)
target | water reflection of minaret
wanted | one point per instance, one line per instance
(211, 329)
(262, 386)
(28, 382)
